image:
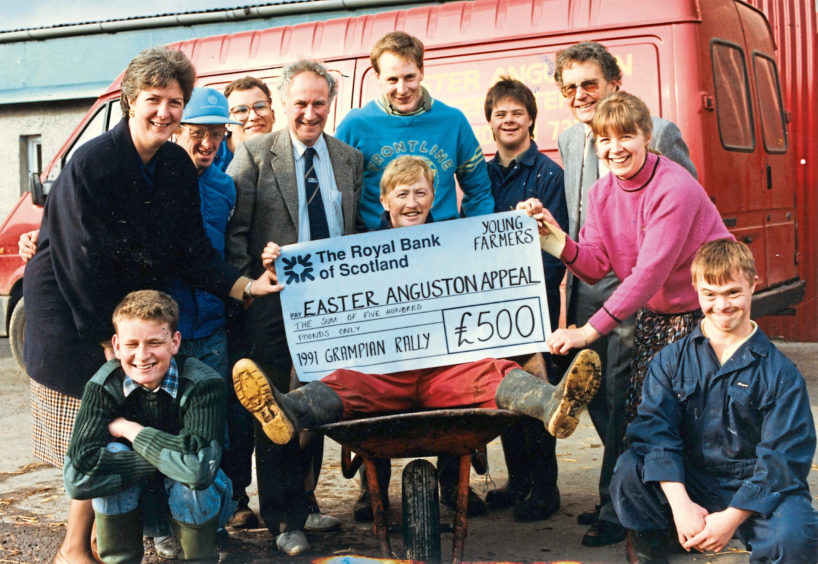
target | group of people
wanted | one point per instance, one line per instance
(182, 274)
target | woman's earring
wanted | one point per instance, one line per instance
(131, 113)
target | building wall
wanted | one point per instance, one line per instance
(53, 121)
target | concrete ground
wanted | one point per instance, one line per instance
(33, 505)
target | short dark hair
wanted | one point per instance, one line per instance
(156, 67)
(588, 51)
(399, 43)
(149, 305)
(248, 83)
(507, 87)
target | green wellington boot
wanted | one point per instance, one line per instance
(198, 542)
(557, 406)
(119, 537)
(283, 415)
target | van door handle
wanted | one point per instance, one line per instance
(769, 177)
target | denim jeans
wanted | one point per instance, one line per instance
(184, 504)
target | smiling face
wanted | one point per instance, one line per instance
(157, 114)
(252, 108)
(409, 204)
(623, 153)
(400, 80)
(201, 142)
(307, 106)
(726, 305)
(583, 103)
(145, 348)
(510, 125)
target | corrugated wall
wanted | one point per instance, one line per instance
(794, 28)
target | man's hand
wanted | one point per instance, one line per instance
(687, 515)
(562, 341)
(552, 237)
(28, 244)
(269, 255)
(122, 428)
(533, 207)
(719, 528)
(267, 283)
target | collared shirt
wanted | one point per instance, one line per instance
(170, 383)
(326, 181)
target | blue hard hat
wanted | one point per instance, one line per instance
(207, 106)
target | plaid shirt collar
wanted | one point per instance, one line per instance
(170, 383)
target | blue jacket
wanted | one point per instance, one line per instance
(748, 423)
(534, 175)
(200, 313)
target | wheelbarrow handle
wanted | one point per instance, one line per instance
(350, 462)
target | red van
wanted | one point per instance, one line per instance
(743, 103)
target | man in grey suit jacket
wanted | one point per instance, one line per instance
(292, 185)
(586, 72)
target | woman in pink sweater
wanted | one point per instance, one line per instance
(645, 222)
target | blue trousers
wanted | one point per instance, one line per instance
(186, 505)
(789, 535)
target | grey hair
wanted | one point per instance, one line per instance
(305, 65)
(156, 67)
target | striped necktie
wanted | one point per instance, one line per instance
(315, 203)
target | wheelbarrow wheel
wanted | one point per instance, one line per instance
(421, 512)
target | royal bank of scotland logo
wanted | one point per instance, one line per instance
(298, 269)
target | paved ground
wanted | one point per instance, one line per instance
(33, 504)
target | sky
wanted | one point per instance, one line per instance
(43, 13)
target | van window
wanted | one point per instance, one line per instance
(735, 115)
(114, 114)
(94, 127)
(771, 110)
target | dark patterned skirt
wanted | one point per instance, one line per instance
(652, 333)
(52, 420)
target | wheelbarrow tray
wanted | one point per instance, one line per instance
(421, 433)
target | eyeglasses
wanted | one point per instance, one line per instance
(590, 86)
(197, 133)
(242, 112)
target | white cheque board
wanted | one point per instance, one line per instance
(415, 297)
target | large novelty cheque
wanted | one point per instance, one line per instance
(415, 297)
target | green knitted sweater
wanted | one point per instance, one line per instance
(182, 438)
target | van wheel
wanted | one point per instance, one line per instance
(421, 512)
(17, 328)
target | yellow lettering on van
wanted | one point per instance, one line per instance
(549, 99)
(625, 64)
(454, 82)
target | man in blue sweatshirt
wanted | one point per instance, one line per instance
(406, 120)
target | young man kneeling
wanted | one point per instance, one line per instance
(149, 422)
(724, 438)
(407, 194)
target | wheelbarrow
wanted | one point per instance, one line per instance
(412, 435)
(462, 432)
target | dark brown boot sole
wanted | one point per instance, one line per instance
(258, 397)
(578, 387)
